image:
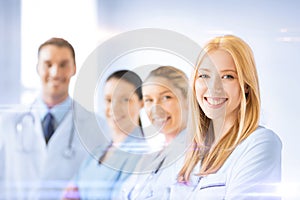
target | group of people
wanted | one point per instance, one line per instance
(214, 147)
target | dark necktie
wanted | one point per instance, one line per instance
(48, 126)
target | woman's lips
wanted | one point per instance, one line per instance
(215, 102)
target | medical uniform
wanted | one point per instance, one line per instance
(156, 172)
(36, 170)
(97, 180)
(252, 171)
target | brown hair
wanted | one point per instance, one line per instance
(59, 42)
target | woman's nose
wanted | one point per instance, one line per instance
(158, 116)
(157, 111)
(215, 85)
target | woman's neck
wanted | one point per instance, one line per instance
(169, 137)
(221, 127)
(118, 137)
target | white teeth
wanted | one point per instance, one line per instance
(216, 101)
(159, 122)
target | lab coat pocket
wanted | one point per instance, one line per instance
(212, 186)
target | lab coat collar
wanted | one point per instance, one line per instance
(135, 142)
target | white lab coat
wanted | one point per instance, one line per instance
(252, 171)
(97, 180)
(41, 171)
(156, 172)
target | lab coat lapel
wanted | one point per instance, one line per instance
(62, 133)
(39, 131)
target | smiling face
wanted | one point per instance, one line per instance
(165, 105)
(55, 67)
(217, 87)
(122, 105)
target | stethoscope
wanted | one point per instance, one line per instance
(24, 126)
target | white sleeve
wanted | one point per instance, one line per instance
(258, 170)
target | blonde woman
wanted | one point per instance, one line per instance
(165, 102)
(232, 157)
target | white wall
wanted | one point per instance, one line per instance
(10, 53)
(270, 27)
(272, 30)
(74, 20)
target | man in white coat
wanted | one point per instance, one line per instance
(41, 147)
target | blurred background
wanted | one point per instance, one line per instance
(271, 27)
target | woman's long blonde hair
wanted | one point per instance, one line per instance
(248, 117)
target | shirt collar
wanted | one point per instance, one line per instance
(58, 111)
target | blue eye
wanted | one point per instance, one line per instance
(203, 76)
(228, 77)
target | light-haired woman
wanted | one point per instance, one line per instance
(165, 102)
(232, 157)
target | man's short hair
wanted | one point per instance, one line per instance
(59, 42)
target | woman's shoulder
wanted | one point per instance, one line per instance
(262, 141)
(261, 148)
(264, 135)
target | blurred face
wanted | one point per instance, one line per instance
(165, 105)
(217, 88)
(122, 105)
(55, 68)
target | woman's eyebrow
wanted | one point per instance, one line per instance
(229, 70)
(161, 93)
(164, 92)
(207, 69)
